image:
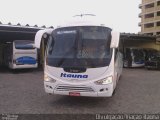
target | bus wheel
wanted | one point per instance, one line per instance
(114, 92)
(148, 68)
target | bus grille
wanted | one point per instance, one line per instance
(74, 88)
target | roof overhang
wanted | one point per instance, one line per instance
(9, 33)
(135, 37)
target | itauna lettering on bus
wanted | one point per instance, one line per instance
(73, 75)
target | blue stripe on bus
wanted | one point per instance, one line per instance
(140, 62)
(26, 60)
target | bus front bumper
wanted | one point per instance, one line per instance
(79, 90)
(24, 66)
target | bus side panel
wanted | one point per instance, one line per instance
(120, 58)
(118, 64)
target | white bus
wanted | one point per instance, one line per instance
(21, 54)
(82, 58)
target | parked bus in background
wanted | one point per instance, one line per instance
(21, 54)
(152, 58)
(134, 57)
(82, 58)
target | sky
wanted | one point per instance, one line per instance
(120, 15)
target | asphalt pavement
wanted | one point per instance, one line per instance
(22, 92)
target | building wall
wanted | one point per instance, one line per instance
(151, 45)
(150, 17)
(142, 44)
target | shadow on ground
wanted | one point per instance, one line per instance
(4, 69)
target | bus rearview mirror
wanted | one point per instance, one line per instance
(39, 36)
(115, 39)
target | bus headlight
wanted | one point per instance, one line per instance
(105, 81)
(49, 79)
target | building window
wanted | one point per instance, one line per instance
(158, 23)
(158, 13)
(158, 3)
(149, 15)
(149, 25)
(149, 5)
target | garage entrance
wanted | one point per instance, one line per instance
(9, 33)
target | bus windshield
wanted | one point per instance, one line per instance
(24, 44)
(83, 46)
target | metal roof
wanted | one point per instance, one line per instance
(9, 32)
(133, 36)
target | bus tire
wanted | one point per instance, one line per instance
(114, 92)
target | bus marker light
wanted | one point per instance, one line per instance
(74, 94)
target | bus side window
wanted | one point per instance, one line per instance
(50, 44)
(116, 53)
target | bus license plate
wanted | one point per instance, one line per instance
(74, 94)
